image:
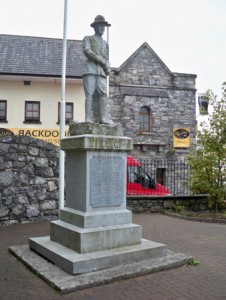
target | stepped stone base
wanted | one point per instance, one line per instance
(75, 263)
(82, 242)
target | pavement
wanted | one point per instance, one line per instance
(204, 241)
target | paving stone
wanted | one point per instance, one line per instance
(204, 241)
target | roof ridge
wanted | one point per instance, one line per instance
(145, 44)
(37, 37)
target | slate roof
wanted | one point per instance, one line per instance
(37, 56)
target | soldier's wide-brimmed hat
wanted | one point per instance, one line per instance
(100, 19)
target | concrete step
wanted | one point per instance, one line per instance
(66, 283)
(85, 240)
(76, 263)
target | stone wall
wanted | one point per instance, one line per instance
(159, 204)
(28, 179)
(29, 188)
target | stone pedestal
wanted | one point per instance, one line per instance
(95, 230)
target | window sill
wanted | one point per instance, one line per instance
(66, 122)
(32, 122)
(3, 121)
(145, 133)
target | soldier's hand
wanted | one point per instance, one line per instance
(107, 71)
(102, 62)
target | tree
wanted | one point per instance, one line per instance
(208, 161)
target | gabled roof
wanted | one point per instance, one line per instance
(37, 56)
(152, 52)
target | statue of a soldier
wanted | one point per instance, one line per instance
(97, 68)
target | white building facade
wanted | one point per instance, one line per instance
(30, 87)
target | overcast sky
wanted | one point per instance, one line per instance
(188, 35)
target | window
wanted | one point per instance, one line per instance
(144, 119)
(69, 112)
(32, 112)
(160, 175)
(3, 110)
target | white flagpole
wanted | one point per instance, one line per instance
(108, 88)
(62, 110)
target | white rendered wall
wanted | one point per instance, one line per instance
(49, 94)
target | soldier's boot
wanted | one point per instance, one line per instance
(103, 112)
(88, 110)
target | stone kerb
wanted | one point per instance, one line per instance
(159, 204)
(28, 179)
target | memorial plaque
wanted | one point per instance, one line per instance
(107, 179)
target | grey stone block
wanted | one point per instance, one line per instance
(96, 142)
(96, 180)
(95, 219)
(94, 239)
(76, 128)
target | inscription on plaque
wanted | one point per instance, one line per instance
(107, 181)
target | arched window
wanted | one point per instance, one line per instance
(144, 119)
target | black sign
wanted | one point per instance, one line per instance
(5, 132)
(181, 133)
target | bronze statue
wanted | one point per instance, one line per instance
(97, 68)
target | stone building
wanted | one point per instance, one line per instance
(150, 101)
(147, 98)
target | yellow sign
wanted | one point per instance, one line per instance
(48, 135)
(181, 138)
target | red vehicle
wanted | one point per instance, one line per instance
(139, 181)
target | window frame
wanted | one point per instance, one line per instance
(143, 123)
(67, 121)
(4, 118)
(32, 120)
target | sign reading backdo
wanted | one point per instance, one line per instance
(48, 135)
(181, 137)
